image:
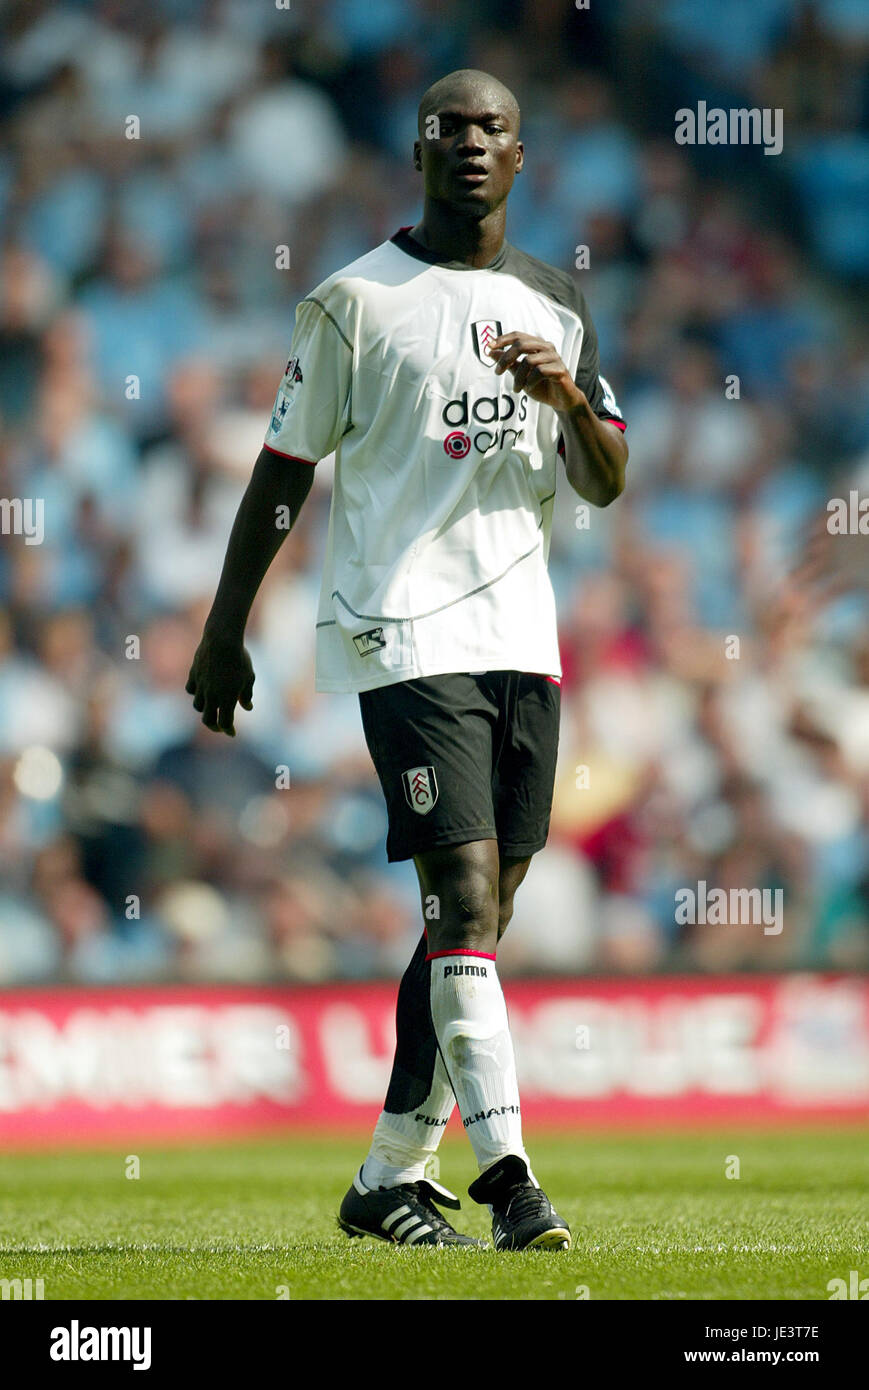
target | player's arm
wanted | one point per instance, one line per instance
(222, 675)
(595, 453)
(595, 450)
(310, 415)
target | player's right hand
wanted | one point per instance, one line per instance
(220, 678)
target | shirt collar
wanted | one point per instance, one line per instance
(411, 247)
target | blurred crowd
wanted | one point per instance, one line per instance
(714, 633)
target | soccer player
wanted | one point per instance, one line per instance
(448, 371)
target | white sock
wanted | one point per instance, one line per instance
(470, 1019)
(402, 1145)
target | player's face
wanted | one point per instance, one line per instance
(469, 153)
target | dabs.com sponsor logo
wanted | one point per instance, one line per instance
(464, 414)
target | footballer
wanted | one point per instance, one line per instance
(448, 371)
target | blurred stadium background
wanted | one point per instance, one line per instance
(155, 258)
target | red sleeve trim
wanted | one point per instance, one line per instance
(607, 419)
(460, 951)
(295, 457)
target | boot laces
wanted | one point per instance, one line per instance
(526, 1201)
(428, 1209)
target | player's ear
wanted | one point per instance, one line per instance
(417, 156)
(520, 156)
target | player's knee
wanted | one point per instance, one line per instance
(475, 911)
(469, 916)
(464, 883)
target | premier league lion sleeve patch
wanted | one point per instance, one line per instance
(311, 409)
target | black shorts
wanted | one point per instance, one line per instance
(465, 757)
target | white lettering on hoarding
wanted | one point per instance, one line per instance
(356, 1071)
(168, 1055)
(707, 1043)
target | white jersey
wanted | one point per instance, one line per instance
(438, 542)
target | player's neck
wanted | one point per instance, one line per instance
(474, 241)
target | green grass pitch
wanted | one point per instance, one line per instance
(653, 1217)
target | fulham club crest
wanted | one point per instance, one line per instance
(484, 332)
(420, 788)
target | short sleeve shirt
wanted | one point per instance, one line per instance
(438, 540)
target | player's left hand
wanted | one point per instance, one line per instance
(537, 370)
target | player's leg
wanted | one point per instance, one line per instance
(473, 1032)
(467, 1003)
(420, 1099)
(474, 885)
(423, 736)
(392, 1195)
(523, 780)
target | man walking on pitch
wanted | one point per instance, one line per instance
(448, 371)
